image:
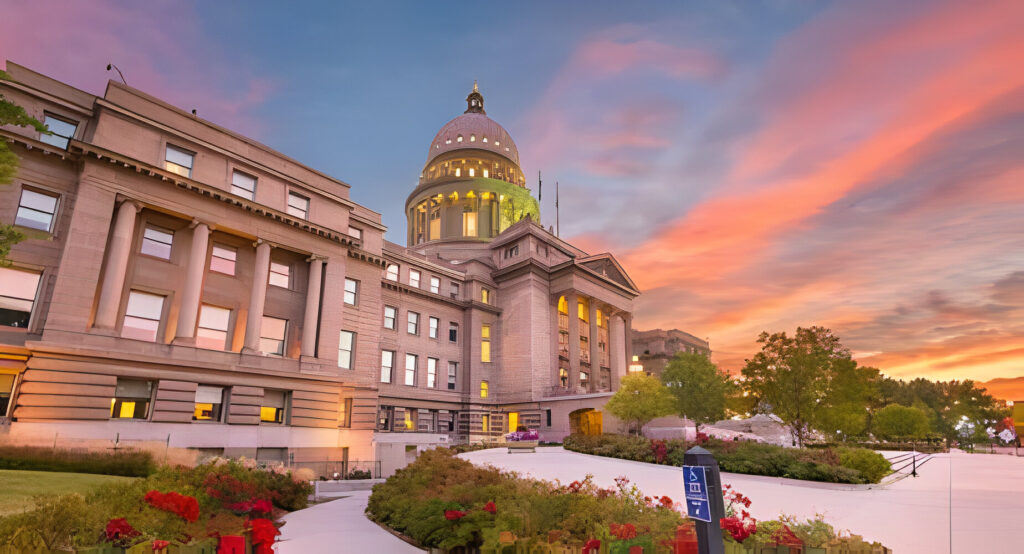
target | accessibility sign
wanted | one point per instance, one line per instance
(695, 485)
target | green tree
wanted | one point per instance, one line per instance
(900, 422)
(700, 389)
(11, 114)
(792, 376)
(640, 399)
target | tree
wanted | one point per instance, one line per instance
(792, 376)
(699, 388)
(640, 399)
(900, 422)
(11, 114)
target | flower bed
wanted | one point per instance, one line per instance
(831, 465)
(173, 510)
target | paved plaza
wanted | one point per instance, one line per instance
(338, 526)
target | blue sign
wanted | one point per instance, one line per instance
(695, 489)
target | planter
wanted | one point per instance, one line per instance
(627, 546)
(102, 549)
(814, 550)
(737, 548)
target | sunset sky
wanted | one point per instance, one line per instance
(754, 166)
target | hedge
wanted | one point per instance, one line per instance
(129, 463)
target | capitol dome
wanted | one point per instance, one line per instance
(472, 187)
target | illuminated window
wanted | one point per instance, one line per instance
(563, 305)
(431, 372)
(584, 376)
(472, 138)
(177, 160)
(448, 141)
(563, 377)
(485, 139)
(486, 174)
(458, 138)
(346, 342)
(453, 332)
(280, 275)
(142, 316)
(387, 364)
(453, 368)
(157, 242)
(243, 185)
(390, 314)
(409, 424)
(209, 403)
(485, 343)
(272, 333)
(392, 272)
(222, 260)
(36, 210)
(414, 278)
(18, 289)
(434, 323)
(497, 143)
(351, 291)
(62, 131)
(583, 309)
(485, 296)
(458, 172)
(131, 399)
(472, 172)
(410, 369)
(345, 413)
(298, 205)
(273, 407)
(469, 224)
(435, 285)
(483, 391)
(414, 323)
(213, 327)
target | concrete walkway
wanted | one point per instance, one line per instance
(338, 526)
(985, 502)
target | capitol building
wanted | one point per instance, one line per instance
(184, 285)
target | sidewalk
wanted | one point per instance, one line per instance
(338, 526)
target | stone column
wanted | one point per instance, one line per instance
(574, 340)
(555, 360)
(257, 297)
(193, 289)
(309, 322)
(617, 349)
(595, 353)
(333, 303)
(117, 265)
(628, 338)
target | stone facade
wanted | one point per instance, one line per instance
(185, 285)
(653, 349)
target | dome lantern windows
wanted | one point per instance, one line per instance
(485, 140)
(472, 172)
(472, 138)
(486, 174)
(458, 138)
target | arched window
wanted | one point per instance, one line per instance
(459, 139)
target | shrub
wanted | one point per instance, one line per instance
(872, 465)
(130, 463)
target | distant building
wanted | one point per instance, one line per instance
(653, 349)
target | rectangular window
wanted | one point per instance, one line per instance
(435, 285)
(410, 369)
(431, 372)
(213, 327)
(512, 251)
(280, 275)
(548, 417)
(469, 224)
(274, 406)
(390, 315)
(355, 232)
(142, 317)
(455, 290)
(414, 323)
(346, 342)
(453, 368)
(434, 324)
(157, 242)
(36, 210)
(485, 421)
(131, 399)
(222, 260)
(18, 289)
(453, 332)
(243, 185)
(351, 291)
(485, 343)
(387, 364)
(414, 278)
(63, 130)
(6, 388)
(483, 390)
(485, 296)
(178, 161)
(345, 417)
(392, 272)
(209, 403)
(409, 423)
(298, 205)
(272, 333)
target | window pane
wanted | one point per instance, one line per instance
(387, 361)
(410, 369)
(244, 183)
(139, 329)
(33, 219)
(431, 372)
(211, 339)
(38, 201)
(18, 283)
(179, 157)
(354, 232)
(434, 323)
(350, 291)
(345, 349)
(279, 275)
(213, 317)
(392, 272)
(414, 278)
(273, 328)
(157, 242)
(145, 305)
(62, 131)
(435, 285)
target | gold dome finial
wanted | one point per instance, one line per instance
(475, 88)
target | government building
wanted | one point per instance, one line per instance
(186, 286)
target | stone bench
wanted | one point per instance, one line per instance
(521, 446)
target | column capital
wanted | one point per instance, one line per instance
(196, 223)
(316, 257)
(261, 242)
(126, 202)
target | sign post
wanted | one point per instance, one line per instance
(704, 503)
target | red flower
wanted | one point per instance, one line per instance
(120, 532)
(592, 546)
(263, 533)
(737, 528)
(262, 506)
(186, 507)
(490, 507)
(575, 486)
(452, 515)
(666, 501)
(159, 545)
(623, 532)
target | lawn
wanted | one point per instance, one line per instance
(20, 486)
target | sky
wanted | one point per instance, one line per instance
(754, 166)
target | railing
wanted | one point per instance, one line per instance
(565, 391)
(912, 460)
(351, 469)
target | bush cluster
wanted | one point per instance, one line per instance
(848, 465)
(129, 463)
(220, 487)
(442, 501)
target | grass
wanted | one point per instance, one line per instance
(20, 486)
